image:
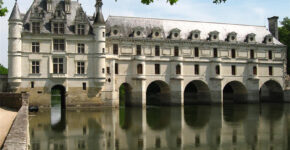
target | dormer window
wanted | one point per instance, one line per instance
(268, 39)
(81, 29)
(214, 36)
(232, 37)
(58, 28)
(115, 31)
(195, 35)
(156, 32)
(251, 38)
(175, 33)
(138, 32)
(35, 27)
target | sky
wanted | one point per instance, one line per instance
(251, 12)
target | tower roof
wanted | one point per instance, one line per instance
(15, 15)
(99, 19)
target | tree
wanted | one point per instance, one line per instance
(284, 37)
(3, 70)
(3, 11)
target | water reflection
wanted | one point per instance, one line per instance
(240, 127)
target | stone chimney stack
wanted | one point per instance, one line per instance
(273, 26)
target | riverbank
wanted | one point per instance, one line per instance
(7, 117)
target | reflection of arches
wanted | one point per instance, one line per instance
(60, 124)
(234, 113)
(271, 91)
(58, 96)
(125, 118)
(196, 92)
(158, 93)
(235, 91)
(125, 94)
(272, 112)
(158, 118)
(197, 116)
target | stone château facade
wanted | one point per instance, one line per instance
(56, 45)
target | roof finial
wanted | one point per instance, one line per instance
(99, 18)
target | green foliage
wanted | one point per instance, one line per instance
(3, 70)
(3, 11)
(284, 37)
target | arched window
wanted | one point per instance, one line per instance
(217, 70)
(254, 70)
(178, 69)
(139, 69)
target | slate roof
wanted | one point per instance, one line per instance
(127, 24)
(15, 14)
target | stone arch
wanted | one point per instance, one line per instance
(158, 93)
(271, 91)
(58, 96)
(195, 92)
(235, 92)
(125, 94)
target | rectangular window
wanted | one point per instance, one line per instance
(115, 49)
(157, 50)
(217, 70)
(215, 53)
(196, 52)
(35, 27)
(35, 47)
(254, 70)
(80, 67)
(270, 70)
(138, 50)
(58, 28)
(58, 66)
(233, 53)
(270, 55)
(176, 51)
(58, 45)
(196, 69)
(32, 84)
(233, 70)
(157, 68)
(35, 67)
(252, 54)
(81, 29)
(84, 86)
(81, 48)
(108, 70)
(116, 68)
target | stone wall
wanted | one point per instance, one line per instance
(3, 83)
(11, 100)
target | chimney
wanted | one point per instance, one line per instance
(273, 26)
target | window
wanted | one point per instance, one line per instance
(58, 65)
(176, 51)
(32, 84)
(81, 29)
(115, 49)
(157, 50)
(196, 69)
(217, 70)
(254, 70)
(35, 67)
(35, 47)
(108, 70)
(116, 68)
(81, 48)
(139, 69)
(233, 70)
(84, 86)
(252, 54)
(270, 56)
(103, 70)
(35, 27)
(58, 45)
(233, 53)
(103, 34)
(215, 53)
(178, 69)
(270, 70)
(196, 52)
(58, 28)
(81, 67)
(157, 68)
(138, 50)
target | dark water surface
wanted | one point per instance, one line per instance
(228, 127)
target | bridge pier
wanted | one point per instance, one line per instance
(216, 91)
(176, 93)
(139, 93)
(253, 91)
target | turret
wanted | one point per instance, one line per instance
(14, 48)
(100, 44)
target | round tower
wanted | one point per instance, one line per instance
(100, 45)
(14, 48)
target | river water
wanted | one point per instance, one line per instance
(200, 127)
